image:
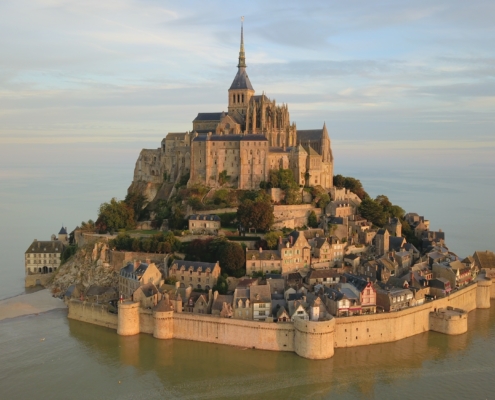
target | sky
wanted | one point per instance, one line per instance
(404, 77)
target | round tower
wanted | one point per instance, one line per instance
(483, 293)
(163, 318)
(314, 340)
(128, 318)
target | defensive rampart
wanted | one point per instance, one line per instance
(313, 340)
(93, 313)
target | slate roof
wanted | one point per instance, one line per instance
(294, 276)
(222, 298)
(264, 255)
(260, 294)
(95, 290)
(241, 80)
(322, 273)
(164, 305)
(63, 231)
(149, 289)
(253, 137)
(45, 246)
(485, 259)
(320, 241)
(258, 98)
(396, 243)
(211, 116)
(352, 256)
(204, 217)
(356, 281)
(309, 134)
(195, 265)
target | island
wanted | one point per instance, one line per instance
(239, 233)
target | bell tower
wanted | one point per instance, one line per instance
(241, 90)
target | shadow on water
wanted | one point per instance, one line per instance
(203, 370)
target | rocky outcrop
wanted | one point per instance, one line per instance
(89, 266)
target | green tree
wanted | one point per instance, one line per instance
(232, 259)
(221, 286)
(137, 201)
(68, 252)
(272, 239)
(312, 220)
(324, 200)
(373, 211)
(256, 214)
(223, 177)
(114, 216)
(176, 219)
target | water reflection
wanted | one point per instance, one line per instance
(204, 370)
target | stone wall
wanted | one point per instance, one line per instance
(389, 327)
(96, 314)
(234, 332)
(119, 258)
(313, 340)
(37, 279)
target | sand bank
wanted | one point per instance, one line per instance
(26, 304)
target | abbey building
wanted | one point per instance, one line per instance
(240, 146)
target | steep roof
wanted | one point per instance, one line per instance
(309, 134)
(264, 255)
(485, 259)
(241, 80)
(260, 294)
(211, 116)
(63, 231)
(222, 298)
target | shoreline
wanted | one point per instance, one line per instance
(28, 304)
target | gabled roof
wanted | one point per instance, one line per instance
(211, 116)
(260, 294)
(485, 259)
(222, 298)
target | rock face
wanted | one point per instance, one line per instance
(89, 266)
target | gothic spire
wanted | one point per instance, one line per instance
(242, 55)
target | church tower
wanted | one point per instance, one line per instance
(241, 90)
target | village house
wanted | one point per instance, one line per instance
(393, 299)
(367, 293)
(198, 274)
(261, 301)
(280, 314)
(199, 303)
(242, 303)
(298, 309)
(204, 223)
(327, 277)
(43, 256)
(386, 268)
(485, 261)
(100, 294)
(454, 271)
(382, 242)
(394, 226)
(439, 287)
(368, 270)
(263, 261)
(295, 252)
(352, 260)
(147, 295)
(343, 300)
(135, 274)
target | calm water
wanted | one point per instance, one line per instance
(53, 185)
(81, 361)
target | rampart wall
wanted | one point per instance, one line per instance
(96, 314)
(32, 280)
(313, 340)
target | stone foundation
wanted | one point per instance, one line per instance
(451, 321)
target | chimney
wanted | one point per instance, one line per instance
(261, 250)
(215, 295)
(280, 239)
(291, 240)
(137, 263)
(148, 261)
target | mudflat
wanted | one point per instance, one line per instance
(26, 304)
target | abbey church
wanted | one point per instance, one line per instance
(238, 148)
